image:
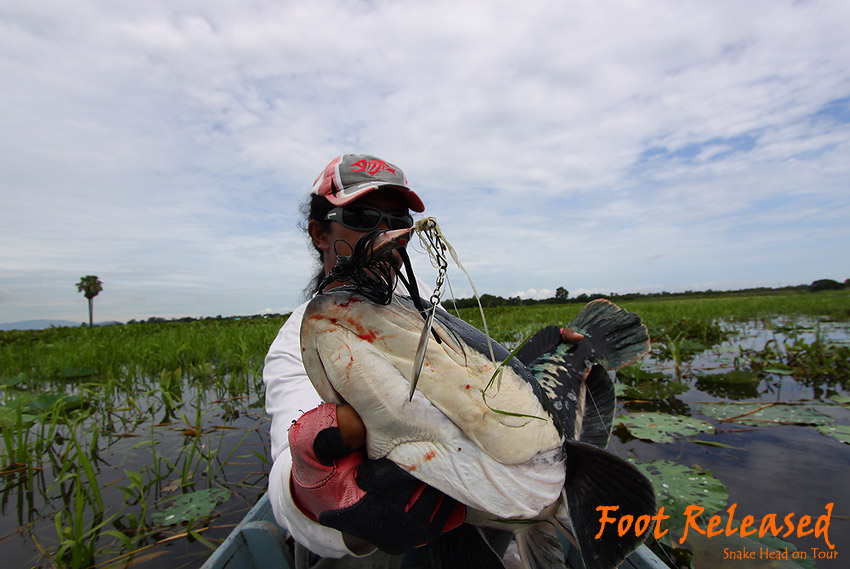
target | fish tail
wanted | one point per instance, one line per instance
(596, 478)
(618, 336)
(539, 547)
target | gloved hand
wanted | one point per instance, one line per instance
(374, 500)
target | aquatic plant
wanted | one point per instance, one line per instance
(103, 427)
(816, 363)
(661, 427)
(73, 405)
(765, 414)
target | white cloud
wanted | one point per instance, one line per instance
(533, 293)
(165, 146)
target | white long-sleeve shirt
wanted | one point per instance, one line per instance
(289, 394)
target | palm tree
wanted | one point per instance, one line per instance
(90, 285)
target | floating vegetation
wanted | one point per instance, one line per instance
(819, 361)
(662, 428)
(733, 376)
(677, 487)
(187, 508)
(678, 349)
(635, 373)
(651, 391)
(733, 384)
(765, 414)
(839, 432)
(841, 400)
(634, 382)
(811, 363)
(715, 551)
(96, 421)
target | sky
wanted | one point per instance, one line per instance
(631, 146)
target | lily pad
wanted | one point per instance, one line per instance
(661, 427)
(197, 505)
(734, 376)
(779, 369)
(620, 390)
(635, 373)
(48, 401)
(654, 390)
(840, 432)
(714, 551)
(14, 381)
(9, 417)
(78, 372)
(841, 399)
(36, 407)
(760, 414)
(678, 487)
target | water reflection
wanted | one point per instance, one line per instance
(746, 388)
(776, 469)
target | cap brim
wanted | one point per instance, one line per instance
(354, 193)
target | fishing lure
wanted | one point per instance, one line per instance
(436, 245)
(369, 269)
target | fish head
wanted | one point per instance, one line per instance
(379, 244)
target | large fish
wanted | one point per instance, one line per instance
(523, 448)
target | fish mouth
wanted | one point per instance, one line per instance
(390, 240)
(384, 245)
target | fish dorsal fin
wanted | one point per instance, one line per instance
(598, 408)
(543, 342)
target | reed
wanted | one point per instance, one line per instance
(69, 397)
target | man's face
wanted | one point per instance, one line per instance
(340, 240)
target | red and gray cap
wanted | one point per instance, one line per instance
(351, 176)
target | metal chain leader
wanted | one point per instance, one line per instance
(437, 248)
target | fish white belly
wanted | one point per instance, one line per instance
(417, 435)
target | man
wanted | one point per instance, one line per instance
(321, 482)
(342, 509)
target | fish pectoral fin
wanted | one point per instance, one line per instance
(601, 402)
(539, 547)
(617, 336)
(596, 478)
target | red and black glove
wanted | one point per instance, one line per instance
(374, 500)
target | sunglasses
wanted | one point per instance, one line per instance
(368, 218)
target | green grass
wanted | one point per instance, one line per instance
(694, 318)
(102, 426)
(200, 348)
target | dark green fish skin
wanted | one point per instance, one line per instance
(573, 384)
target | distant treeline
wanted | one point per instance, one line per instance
(562, 296)
(219, 318)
